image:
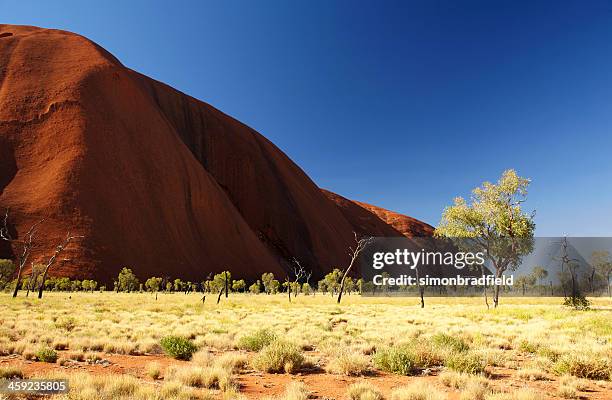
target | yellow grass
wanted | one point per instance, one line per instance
(344, 338)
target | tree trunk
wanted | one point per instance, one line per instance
(219, 297)
(18, 281)
(484, 288)
(226, 284)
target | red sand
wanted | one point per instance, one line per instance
(153, 179)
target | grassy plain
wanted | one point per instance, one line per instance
(262, 346)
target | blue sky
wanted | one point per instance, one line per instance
(401, 104)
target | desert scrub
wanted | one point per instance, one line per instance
(257, 340)
(178, 347)
(459, 380)
(531, 374)
(347, 362)
(417, 391)
(363, 391)
(46, 354)
(407, 359)
(65, 323)
(294, 391)
(10, 373)
(202, 377)
(449, 342)
(589, 367)
(154, 370)
(465, 362)
(279, 356)
(520, 394)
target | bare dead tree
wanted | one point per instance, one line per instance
(24, 246)
(354, 252)
(58, 250)
(298, 273)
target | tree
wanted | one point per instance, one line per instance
(354, 252)
(602, 264)
(89, 285)
(525, 281)
(494, 223)
(266, 279)
(24, 247)
(153, 285)
(306, 289)
(239, 285)
(298, 273)
(255, 288)
(178, 285)
(58, 250)
(37, 278)
(331, 281)
(126, 280)
(75, 285)
(63, 284)
(7, 269)
(539, 273)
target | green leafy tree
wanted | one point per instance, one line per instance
(127, 281)
(266, 279)
(525, 281)
(255, 288)
(349, 285)
(539, 273)
(239, 285)
(178, 285)
(63, 284)
(332, 280)
(322, 286)
(602, 264)
(7, 269)
(274, 286)
(75, 285)
(153, 285)
(494, 222)
(306, 289)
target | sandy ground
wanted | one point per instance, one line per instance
(257, 385)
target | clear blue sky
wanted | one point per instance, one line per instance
(402, 104)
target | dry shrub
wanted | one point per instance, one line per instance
(418, 391)
(363, 391)
(279, 356)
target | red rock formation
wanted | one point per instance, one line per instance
(152, 178)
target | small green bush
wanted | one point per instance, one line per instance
(449, 342)
(178, 347)
(257, 340)
(408, 359)
(279, 356)
(46, 354)
(66, 323)
(465, 362)
(583, 367)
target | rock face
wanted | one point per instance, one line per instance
(154, 179)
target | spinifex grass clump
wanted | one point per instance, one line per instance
(466, 362)
(408, 359)
(584, 367)
(449, 342)
(257, 340)
(178, 347)
(279, 356)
